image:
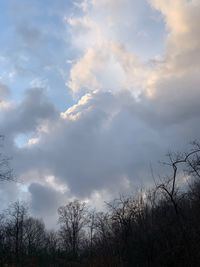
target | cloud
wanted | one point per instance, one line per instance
(4, 94)
(90, 146)
(94, 145)
(108, 67)
(174, 80)
(25, 117)
(181, 20)
(4, 91)
(44, 202)
(129, 111)
(102, 35)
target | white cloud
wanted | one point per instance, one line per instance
(107, 61)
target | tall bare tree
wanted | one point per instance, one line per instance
(73, 218)
(16, 217)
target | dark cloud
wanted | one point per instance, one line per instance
(44, 202)
(26, 116)
(107, 138)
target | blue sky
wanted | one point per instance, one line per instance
(34, 47)
(92, 92)
(36, 44)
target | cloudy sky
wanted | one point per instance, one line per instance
(93, 92)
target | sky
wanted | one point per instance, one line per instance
(93, 93)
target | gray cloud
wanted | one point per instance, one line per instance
(44, 202)
(4, 91)
(26, 116)
(110, 140)
(107, 140)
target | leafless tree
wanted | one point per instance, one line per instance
(73, 218)
(34, 235)
(169, 185)
(16, 217)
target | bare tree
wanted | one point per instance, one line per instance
(16, 216)
(34, 235)
(171, 190)
(52, 244)
(91, 228)
(169, 186)
(73, 218)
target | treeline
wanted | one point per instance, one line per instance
(154, 228)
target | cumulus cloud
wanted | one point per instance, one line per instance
(108, 67)
(175, 80)
(102, 34)
(129, 111)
